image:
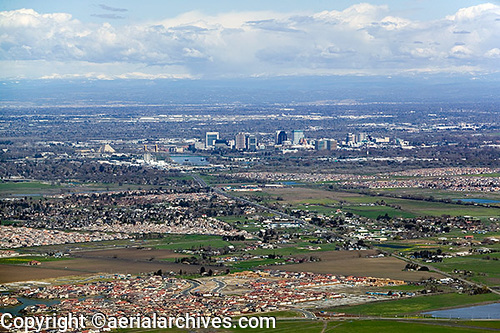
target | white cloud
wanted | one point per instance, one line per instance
(493, 53)
(363, 39)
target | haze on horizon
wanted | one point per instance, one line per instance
(117, 40)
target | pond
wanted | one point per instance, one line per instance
(489, 311)
(15, 310)
(477, 200)
(189, 159)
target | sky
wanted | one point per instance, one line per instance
(199, 39)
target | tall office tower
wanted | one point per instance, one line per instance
(280, 137)
(362, 137)
(320, 144)
(331, 144)
(210, 138)
(240, 141)
(251, 142)
(325, 144)
(297, 135)
(350, 138)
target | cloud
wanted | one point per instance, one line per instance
(109, 16)
(493, 53)
(113, 9)
(363, 39)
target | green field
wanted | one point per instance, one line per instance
(26, 188)
(355, 326)
(38, 189)
(427, 208)
(251, 264)
(25, 260)
(370, 326)
(374, 211)
(327, 202)
(484, 271)
(187, 242)
(415, 305)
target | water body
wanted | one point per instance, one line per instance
(189, 159)
(28, 195)
(290, 183)
(478, 200)
(489, 311)
(393, 246)
(15, 310)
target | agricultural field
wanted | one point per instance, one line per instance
(22, 260)
(187, 242)
(37, 189)
(483, 268)
(358, 263)
(415, 305)
(11, 273)
(361, 326)
(327, 202)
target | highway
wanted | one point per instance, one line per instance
(303, 223)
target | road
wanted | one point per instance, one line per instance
(307, 314)
(220, 285)
(194, 284)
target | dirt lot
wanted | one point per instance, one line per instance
(132, 253)
(299, 194)
(119, 266)
(126, 261)
(13, 273)
(356, 263)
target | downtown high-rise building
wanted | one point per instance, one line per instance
(297, 136)
(350, 138)
(325, 144)
(210, 138)
(240, 141)
(280, 137)
(251, 143)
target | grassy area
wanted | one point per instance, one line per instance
(353, 326)
(25, 260)
(178, 242)
(38, 188)
(477, 323)
(415, 304)
(251, 264)
(374, 211)
(21, 186)
(26, 189)
(483, 271)
(9, 222)
(79, 246)
(427, 208)
(370, 326)
(326, 202)
(296, 326)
